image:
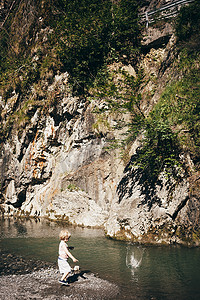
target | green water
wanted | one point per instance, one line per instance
(155, 273)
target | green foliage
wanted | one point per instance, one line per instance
(188, 24)
(4, 43)
(86, 35)
(125, 30)
(180, 105)
(160, 149)
(72, 187)
(170, 129)
(83, 34)
(90, 32)
(118, 88)
(173, 126)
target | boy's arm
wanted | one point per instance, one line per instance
(70, 255)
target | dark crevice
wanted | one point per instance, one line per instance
(16, 103)
(21, 198)
(88, 138)
(106, 177)
(35, 181)
(167, 62)
(30, 136)
(180, 206)
(54, 142)
(21, 154)
(59, 118)
(156, 44)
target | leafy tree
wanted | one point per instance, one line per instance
(188, 24)
(83, 38)
(125, 29)
(89, 32)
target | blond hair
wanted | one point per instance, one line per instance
(64, 233)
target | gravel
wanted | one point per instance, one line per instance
(22, 279)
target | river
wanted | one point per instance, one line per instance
(141, 272)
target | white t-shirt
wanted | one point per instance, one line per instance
(62, 249)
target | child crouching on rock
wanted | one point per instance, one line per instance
(64, 253)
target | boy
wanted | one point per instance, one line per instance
(64, 253)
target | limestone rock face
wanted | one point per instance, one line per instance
(59, 167)
(147, 216)
(60, 164)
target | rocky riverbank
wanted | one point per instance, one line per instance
(29, 279)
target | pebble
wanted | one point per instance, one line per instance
(28, 279)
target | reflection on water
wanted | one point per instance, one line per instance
(134, 257)
(159, 273)
(38, 228)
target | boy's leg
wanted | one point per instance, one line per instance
(64, 276)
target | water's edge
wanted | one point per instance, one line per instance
(138, 272)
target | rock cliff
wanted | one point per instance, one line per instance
(58, 161)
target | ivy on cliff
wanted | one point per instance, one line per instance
(74, 36)
(170, 130)
(172, 127)
(187, 26)
(85, 34)
(90, 32)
